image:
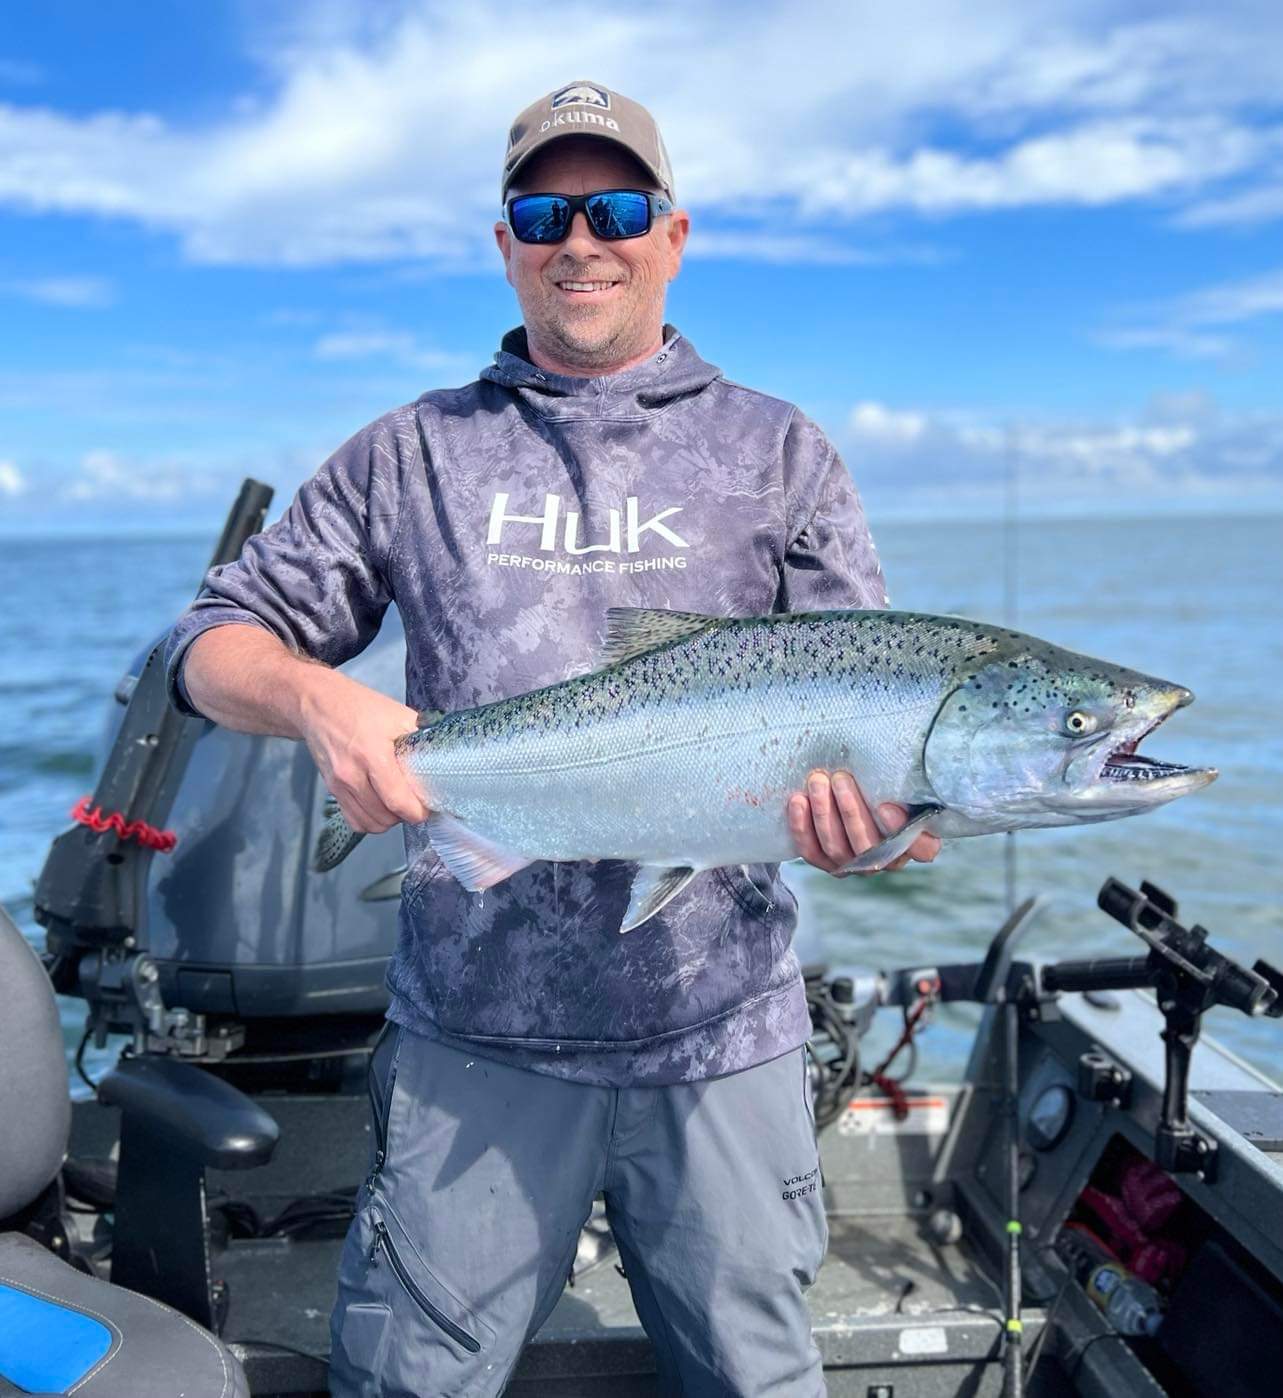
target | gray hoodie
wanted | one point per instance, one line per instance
(503, 518)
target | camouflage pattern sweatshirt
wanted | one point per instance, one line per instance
(503, 518)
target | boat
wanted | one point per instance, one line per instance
(1095, 1208)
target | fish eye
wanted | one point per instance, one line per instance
(1078, 722)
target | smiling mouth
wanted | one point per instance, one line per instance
(583, 288)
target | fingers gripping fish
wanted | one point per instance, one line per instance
(680, 751)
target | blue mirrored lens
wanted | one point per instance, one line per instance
(619, 213)
(540, 218)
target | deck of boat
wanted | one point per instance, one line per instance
(890, 1298)
(908, 1301)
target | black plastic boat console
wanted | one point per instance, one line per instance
(1189, 977)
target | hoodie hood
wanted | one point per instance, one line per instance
(674, 371)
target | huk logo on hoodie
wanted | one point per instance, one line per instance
(557, 531)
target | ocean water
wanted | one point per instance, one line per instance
(1195, 600)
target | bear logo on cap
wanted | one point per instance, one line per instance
(581, 94)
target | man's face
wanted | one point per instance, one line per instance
(622, 316)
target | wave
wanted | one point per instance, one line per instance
(21, 764)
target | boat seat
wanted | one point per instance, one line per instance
(62, 1330)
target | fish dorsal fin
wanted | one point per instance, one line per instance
(632, 631)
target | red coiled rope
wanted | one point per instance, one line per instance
(892, 1086)
(160, 840)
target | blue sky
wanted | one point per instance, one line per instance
(967, 238)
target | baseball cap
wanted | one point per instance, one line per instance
(584, 108)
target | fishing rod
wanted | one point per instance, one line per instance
(1007, 987)
(1010, 599)
(1003, 986)
(1013, 1339)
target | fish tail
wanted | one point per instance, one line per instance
(336, 841)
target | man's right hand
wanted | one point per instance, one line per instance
(832, 824)
(350, 729)
(242, 677)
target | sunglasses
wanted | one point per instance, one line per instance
(612, 214)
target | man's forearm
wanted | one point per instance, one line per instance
(244, 678)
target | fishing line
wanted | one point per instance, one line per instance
(1010, 587)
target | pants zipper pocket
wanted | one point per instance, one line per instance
(434, 1313)
(379, 1118)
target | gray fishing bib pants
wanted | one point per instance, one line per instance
(484, 1175)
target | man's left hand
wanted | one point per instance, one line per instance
(831, 824)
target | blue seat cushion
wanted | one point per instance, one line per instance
(61, 1329)
(45, 1346)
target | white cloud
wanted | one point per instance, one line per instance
(1231, 302)
(398, 345)
(1180, 325)
(85, 293)
(11, 479)
(1177, 340)
(1259, 205)
(1181, 63)
(1258, 199)
(1092, 164)
(814, 249)
(107, 476)
(380, 137)
(1176, 451)
(875, 423)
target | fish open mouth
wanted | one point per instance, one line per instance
(1125, 764)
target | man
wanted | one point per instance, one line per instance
(535, 1058)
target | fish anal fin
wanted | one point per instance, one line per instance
(652, 888)
(889, 850)
(474, 860)
(632, 631)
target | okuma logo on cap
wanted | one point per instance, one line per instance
(581, 94)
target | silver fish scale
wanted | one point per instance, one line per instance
(686, 753)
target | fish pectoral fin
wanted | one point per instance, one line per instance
(388, 887)
(889, 850)
(337, 838)
(475, 861)
(632, 631)
(652, 888)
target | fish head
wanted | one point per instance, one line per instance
(1037, 735)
